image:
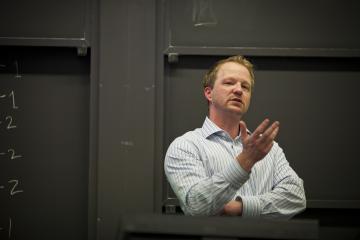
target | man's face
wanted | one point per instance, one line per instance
(231, 92)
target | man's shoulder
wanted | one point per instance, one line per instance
(191, 136)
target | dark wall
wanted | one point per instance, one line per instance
(127, 111)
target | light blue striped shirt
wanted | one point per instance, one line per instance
(202, 169)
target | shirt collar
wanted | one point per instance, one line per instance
(209, 128)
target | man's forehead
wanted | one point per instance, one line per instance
(233, 69)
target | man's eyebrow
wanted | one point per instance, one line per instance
(242, 80)
(229, 78)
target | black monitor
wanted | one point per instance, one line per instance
(157, 226)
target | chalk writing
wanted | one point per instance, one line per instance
(10, 123)
(16, 183)
(17, 75)
(11, 95)
(12, 154)
(13, 187)
(9, 228)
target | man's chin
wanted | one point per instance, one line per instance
(237, 111)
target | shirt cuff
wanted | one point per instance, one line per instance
(235, 174)
(251, 206)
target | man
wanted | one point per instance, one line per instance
(222, 168)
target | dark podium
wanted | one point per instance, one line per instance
(157, 226)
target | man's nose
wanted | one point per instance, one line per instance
(238, 88)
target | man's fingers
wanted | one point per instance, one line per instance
(258, 144)
(275, 132)
(261, 128)
(243, 131)
(269, 135)
(269, 131)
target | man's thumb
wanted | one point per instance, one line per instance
(243, 130)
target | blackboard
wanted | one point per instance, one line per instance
(44, 135)
(316, 102)
(45, 23)
(259, 24)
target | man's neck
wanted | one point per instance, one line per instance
(229, 123)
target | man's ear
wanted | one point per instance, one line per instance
(207, 93)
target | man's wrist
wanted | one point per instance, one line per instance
(239, 199)
(232, 208)
(244, 162)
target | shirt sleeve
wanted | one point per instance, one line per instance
(199, 192)
(286, 199)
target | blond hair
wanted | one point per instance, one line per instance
(210, 76)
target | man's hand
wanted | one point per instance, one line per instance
(256, 145)
(233, 208)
